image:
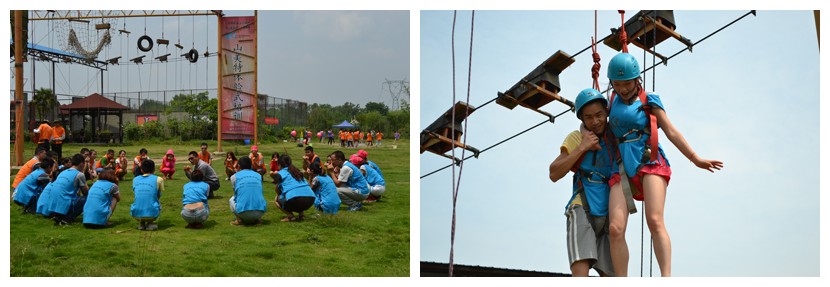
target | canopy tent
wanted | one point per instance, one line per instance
(344, 125)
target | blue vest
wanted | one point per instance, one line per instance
(248, 191)
(373, 177)
(146, 204)
(63, 192)
(593, 174)
(375, 166)
(44, 199)
(326, 195)
(97, 206)
(357, 181)
(626, 118)
(27, 188)
(195, 191)
(291, 187)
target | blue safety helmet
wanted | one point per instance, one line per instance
(623, 67)
(586, 96)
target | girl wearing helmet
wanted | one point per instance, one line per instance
(629, 123)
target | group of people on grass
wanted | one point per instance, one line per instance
(616, 159)
(58, 188)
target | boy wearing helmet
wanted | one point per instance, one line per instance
(634, 117)
(588, 156)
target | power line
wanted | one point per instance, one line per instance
(583, 50)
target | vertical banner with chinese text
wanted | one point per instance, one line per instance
(238, 64)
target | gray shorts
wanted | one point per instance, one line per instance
(199, 215)
(583, 244)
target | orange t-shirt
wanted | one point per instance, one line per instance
(379, 135)
(342, 136)
(58, 132)
(25, 170)
(349, 136)
(205, 157)
(368, 137)
(45, 132)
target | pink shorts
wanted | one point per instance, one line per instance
(660, 168)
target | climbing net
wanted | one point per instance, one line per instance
(85, 37)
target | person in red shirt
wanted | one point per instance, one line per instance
(274, 167)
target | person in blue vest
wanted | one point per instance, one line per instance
(351, 184)
(634, 118)
(28, 191)
(195, 209)
(590, 157)
(147, 189)
(377, 185)
(293, 192)
(247, 203)
(325, 192)
(102, 199)
(46, 195)
(68, 193)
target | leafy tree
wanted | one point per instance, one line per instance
(372, 121)
(378, 107)
(43, 103)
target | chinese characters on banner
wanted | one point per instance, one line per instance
(238, 71)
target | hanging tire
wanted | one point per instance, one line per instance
(149, 43)
(193, 55)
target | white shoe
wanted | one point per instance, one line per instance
(152, 226)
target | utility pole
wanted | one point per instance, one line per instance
(20, 136)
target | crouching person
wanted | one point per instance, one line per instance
(68, 193)
(99, 204)
(147, 189)
(247, 202)
(195, 210)
(28, 190)
(293, 192)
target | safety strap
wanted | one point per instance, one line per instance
(598, 223)
(626, 187)
(652, 125)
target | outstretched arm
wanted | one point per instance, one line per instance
(679, 141)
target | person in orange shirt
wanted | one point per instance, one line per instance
(27, 168)
(342, 138)
(357, 138)
(58, 135)
(379, 136)
(43, 134)
(204, 155)
(142, 155)
(256, 160)
(349, 139)
(369, 138)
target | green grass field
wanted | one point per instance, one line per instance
(371, 242)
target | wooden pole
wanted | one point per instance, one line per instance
(219, 82)
(256, 95)
(20, 137)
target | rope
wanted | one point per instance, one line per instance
(623, 35)
(463, 151)
(452, 227)
(595, 55)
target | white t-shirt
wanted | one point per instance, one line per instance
(345, 174)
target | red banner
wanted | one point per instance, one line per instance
(272, 121)
(238, 69)
(141, 119)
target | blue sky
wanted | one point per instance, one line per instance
(328, 57)
(748, 96)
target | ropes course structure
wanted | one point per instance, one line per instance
(540, 87)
